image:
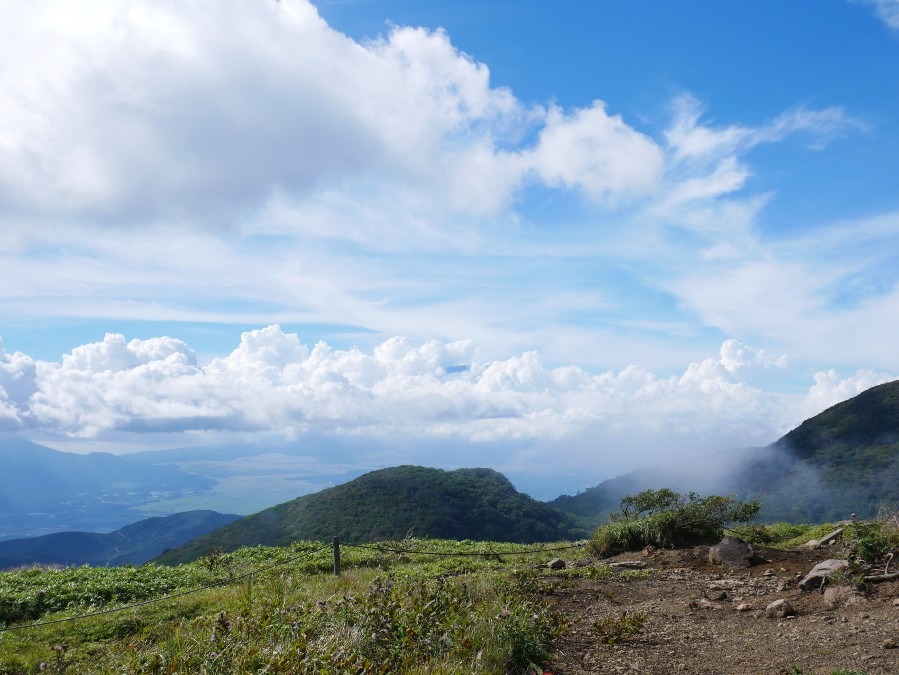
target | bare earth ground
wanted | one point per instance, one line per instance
(688, 631)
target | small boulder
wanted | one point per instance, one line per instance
(820, 572)
(779, 609)
(836, 597)
(889, 644)
(732, 552)
(556, 564)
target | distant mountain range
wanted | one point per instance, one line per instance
(137, 543)
(478, 504)
(44, 491)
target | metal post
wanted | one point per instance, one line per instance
(336, 556)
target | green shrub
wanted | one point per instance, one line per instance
(875, 538)
(664, 518)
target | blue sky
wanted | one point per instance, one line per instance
(521, 227)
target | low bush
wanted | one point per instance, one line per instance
(664, 518)
(873, 539)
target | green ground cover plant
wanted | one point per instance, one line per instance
(611, 630)
(870, 539)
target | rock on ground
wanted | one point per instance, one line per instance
(732, 552)
(682, 636)
(836, 597)
(820, 572)
(779, 609)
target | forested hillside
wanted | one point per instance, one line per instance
(479, 504)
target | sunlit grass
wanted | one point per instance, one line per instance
(409, 612)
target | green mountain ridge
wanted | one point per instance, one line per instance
(136, 543)
(476, 504)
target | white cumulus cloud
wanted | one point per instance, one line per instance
(17, 383)
(274, 384)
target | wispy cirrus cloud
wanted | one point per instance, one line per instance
(885, 10)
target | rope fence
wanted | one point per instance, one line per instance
(335, 544)
(486, 554)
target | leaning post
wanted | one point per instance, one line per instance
(336, 556)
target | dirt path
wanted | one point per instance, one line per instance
(694, 626)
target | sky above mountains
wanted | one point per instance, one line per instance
(592, 235)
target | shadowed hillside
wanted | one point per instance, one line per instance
(479, 504)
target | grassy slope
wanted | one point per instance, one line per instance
(478, 504)
(855, 444)
(386, 613)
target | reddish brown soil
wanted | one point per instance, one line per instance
(688, 631)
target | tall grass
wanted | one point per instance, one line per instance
(385, 613)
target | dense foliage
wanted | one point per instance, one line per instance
(478, 504)
(666, 518)
(855, 447)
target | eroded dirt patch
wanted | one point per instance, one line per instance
(693, 624)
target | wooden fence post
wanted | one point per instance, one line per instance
(336, 556)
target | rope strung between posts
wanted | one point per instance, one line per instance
(492, 554)
(142, 603)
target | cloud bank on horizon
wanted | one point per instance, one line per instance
(557, 270)
(273, 384)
